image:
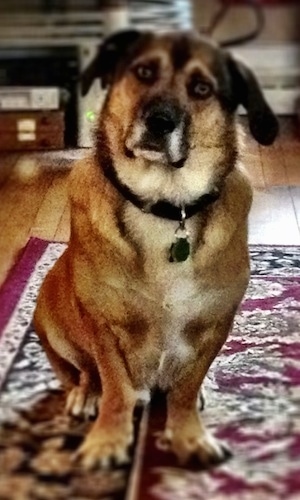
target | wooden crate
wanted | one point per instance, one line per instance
(31, 130)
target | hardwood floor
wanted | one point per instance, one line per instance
(33, 202)
(33, 195)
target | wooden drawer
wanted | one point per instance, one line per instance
(31, 130)
(12, 142)
(40, 120)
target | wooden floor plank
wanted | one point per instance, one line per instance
(22, 197)
(291, 158)
(26, 182)
(253, 166)
(272, 218)
(17, 226)
(250, 157)
(273, 165)
(295, 194)
(288, 147)
(51, 210)
(63, 230)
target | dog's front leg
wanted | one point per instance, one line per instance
(112, 433)
(185, 433)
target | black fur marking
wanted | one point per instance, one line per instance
(237, 85)
(225, 92)
(180, 52)
(105, 159)
(114, 49)
(179, 164)
(263, 123)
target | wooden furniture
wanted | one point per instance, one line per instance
(31, 130)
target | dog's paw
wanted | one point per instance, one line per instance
(104, 449)
(202, 447)
(81, 404)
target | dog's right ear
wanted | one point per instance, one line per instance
(103, 66)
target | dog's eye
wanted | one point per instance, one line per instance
(145, 73)
(200, 89)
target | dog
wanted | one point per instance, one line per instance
(157, 264)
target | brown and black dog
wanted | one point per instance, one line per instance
(145, 294)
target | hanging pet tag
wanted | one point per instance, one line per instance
(180, 249)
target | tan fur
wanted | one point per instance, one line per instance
(114, 315)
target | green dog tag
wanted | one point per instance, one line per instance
(180, 250)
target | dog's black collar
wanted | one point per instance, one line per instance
(166, 210)
(162, 208)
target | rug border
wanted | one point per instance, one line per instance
(16, 279)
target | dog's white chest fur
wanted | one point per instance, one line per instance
(172, 286)
(172, 282)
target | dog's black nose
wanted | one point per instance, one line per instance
(160, 123)
(162, 115)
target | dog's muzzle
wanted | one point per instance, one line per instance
(160, 134)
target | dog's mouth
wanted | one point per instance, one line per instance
(159, 134)
(154, 155)
(169, 149)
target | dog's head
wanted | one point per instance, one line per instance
(172, 99)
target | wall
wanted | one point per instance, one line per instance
(282, 22)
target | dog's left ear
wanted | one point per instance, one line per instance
(246, 90)
(103, 66)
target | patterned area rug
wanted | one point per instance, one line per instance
(252, 401)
